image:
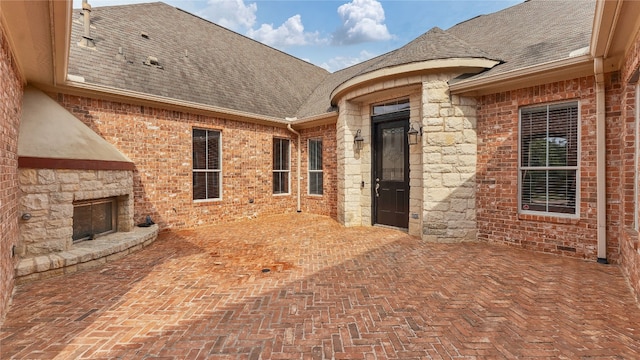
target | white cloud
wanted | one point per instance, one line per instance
(232, 14)
(291, 32)
(363, 20)
(241, 17)
(341, 62)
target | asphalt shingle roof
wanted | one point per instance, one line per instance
(205, 63)
(201, 62)
(433, 45)
(531, 33)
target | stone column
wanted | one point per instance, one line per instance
(350, 161)
(449, 163)
(416, 171)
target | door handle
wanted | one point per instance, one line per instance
(377, 187)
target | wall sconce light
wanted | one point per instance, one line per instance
(412, 134)
(358, 140)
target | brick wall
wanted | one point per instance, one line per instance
(497, 177)
(10, 109)
(327, 203)
(159, 143)
(630, 241)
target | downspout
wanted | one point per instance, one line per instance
(299, 163)
(601, 161)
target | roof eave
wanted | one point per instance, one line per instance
(564, 69)
(39, 33)
(478, 64)
(615, 27)
(327, 118)
(133, 97)
(604, 21)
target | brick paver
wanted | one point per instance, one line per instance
(331, 293)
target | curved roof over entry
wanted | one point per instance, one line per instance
(435, 44)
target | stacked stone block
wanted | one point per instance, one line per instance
(449, 163)
(48, 197)
(350, 164)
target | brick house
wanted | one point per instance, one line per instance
(518, 127)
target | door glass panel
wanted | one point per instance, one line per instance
(393, 154)
(390, 107)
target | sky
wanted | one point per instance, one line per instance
(332, 34)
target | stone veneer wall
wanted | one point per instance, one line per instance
(48, 195)
(159, 142)
(449, 158)
(11, 90)
(350, 165)
(442, 168)
(497, 172)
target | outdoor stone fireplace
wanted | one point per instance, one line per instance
(76, 194)
(60, 207)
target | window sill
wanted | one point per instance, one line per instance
(285, 194)
(549, 219)
(205, 201)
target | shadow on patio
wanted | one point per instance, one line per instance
(331, 292)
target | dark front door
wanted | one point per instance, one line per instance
(391, 172)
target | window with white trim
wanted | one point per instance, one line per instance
(281, 166)
(315, 166)
(207, 165)
(548, 165)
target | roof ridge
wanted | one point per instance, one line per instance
(509, 8)
(127, 5)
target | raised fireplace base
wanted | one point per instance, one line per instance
(85, 255)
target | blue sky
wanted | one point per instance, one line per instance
(327, 33)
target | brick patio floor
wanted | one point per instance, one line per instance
(332, 293)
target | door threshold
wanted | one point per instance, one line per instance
(392, 227)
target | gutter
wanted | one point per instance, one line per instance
(298, 209)
(601, 161)
(75, 85)
(129, 94)
(314, 120)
